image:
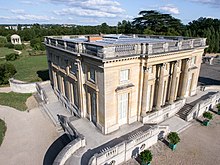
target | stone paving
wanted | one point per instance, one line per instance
(209, 74)
(199, 145)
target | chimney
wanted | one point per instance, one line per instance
(94, 38)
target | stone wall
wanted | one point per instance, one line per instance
(130, 148)
(67, 151)
(164, 113)
(203, 106)
(22, 87)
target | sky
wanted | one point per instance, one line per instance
(94, 12)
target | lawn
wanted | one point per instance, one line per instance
(28, 68)
(15, 100)
(4, 51)
(2, 130)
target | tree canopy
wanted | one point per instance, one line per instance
(148, 22)
(154, 22)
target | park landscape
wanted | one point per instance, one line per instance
(198, 144)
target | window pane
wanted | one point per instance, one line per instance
(124, 75)
(92, 74)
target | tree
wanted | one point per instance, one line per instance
(3, 41)
(159, 23)
(7, 70)
(11, 57)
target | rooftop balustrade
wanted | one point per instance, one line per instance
(104, 50)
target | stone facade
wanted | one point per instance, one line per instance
(118, 79)
(16, 39)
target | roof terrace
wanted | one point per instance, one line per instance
(113, 46)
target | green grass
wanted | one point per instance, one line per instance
(4, 51)
(27, 67)
(15, 100)
(2, 130)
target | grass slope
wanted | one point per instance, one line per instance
(4, 51)
(15, 100)
(27, 67)
(2, 130)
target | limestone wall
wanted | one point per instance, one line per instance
(67, 151)
(164, 113)
(130, 148)
(22, 87)
(203, 106)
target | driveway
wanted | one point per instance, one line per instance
(28, 136)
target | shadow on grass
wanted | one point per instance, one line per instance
(43, 74)
(55, 148)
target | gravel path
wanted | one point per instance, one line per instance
(199, 145)
(5, 89)
(27, 138)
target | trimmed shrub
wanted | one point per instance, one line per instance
(7, 70)
(173, 138)
(37, 53)
(18, 47)
(9, 45)
(207, 115)
(3, 41)
(146, 156)
(11, 57)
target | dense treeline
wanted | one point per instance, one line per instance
(148, 22)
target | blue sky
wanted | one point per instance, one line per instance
(93, 12)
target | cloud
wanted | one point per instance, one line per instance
(26, 2)
(17, 11)
(28, 17)
(213, 3)
(170, 9)
(90, 8)
(84, 12)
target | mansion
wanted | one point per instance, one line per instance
(114, 80)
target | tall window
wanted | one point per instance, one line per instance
(124, 76)
(193, 60)
(92, 74)
(150, 69)
(73, 68)
(122, 108)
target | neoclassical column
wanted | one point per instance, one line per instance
(173, 83)
(185, 78)
(144, 92)
(160, 87)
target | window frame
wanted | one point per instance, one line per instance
(123, 81)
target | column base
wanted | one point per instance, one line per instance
(170, 102)
(157, 108)
(182, 97)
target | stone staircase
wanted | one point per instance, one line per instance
(184, 111)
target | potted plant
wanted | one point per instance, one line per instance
(207, 116)
(173, 138)
(218, 107)
(145, 157)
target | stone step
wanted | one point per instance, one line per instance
(183, 112)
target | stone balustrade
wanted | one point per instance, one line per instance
(119, 50)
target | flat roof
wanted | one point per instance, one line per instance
(118, 39)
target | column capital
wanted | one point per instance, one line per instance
(146, 69)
